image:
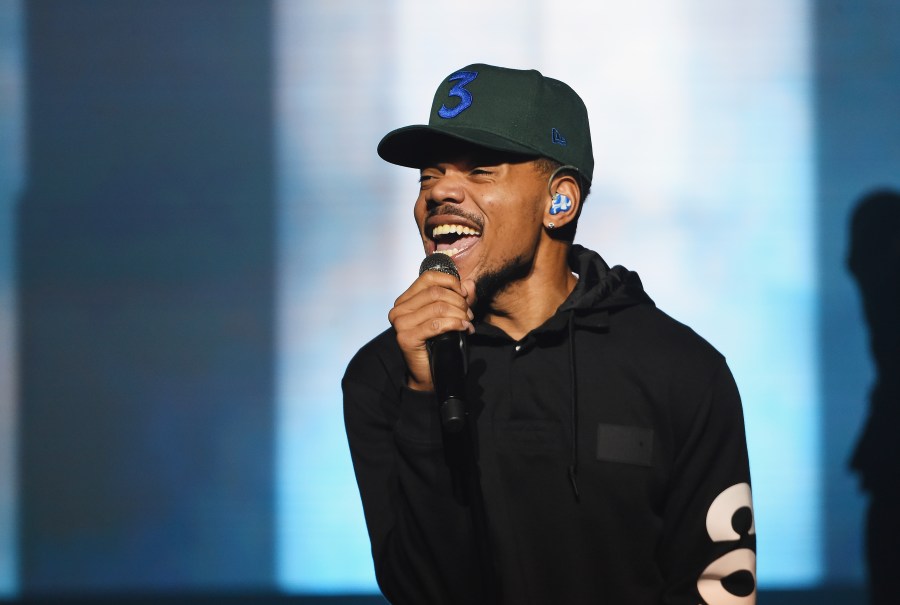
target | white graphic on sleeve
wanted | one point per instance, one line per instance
(720, 526)
(721, 512)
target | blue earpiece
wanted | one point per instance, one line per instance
(561, 203)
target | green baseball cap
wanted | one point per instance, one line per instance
(514, 110)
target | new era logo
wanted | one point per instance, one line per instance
(558, 139)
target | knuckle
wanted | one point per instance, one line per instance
(395, 315)
(401, 324)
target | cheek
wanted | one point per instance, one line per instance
(516, 221)
(515, 236)
(419, 212)
(527, 218)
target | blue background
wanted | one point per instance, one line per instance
(196, 234)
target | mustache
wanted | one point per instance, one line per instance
(445, 210)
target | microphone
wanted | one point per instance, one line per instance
(447, 355)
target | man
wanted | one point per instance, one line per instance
(603, 458)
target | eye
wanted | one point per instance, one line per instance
(480, 171)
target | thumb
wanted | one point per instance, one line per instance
(468, 287)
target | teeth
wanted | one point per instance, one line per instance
(449, 252)
(457, 229)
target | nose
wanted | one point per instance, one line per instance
(448, 189)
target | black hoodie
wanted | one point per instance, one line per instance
(605, 462)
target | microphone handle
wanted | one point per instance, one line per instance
(447, 353)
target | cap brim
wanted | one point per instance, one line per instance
(419, 146)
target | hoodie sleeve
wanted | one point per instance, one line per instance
(708, 550)
(422, 538)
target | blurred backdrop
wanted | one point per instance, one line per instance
(196, 235)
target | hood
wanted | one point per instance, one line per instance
(600, 288)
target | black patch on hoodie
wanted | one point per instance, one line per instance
(626, 444)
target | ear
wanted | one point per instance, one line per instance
(564, 201)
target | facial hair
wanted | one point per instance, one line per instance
(493, 283)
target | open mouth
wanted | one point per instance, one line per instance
(452, 239)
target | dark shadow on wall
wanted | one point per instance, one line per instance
(145, 267)
(874, 262)
(857, 136)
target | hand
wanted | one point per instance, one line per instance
(435, 303)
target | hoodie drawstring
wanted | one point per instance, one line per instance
(573, 373)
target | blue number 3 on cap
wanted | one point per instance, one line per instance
(459, 90)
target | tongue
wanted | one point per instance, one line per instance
(460, 243)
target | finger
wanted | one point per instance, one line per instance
(429, 296)
(414, 337)
(441, 312)
(430, 279)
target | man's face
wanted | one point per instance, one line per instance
(485, 209)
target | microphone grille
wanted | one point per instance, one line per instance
(439, 262)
